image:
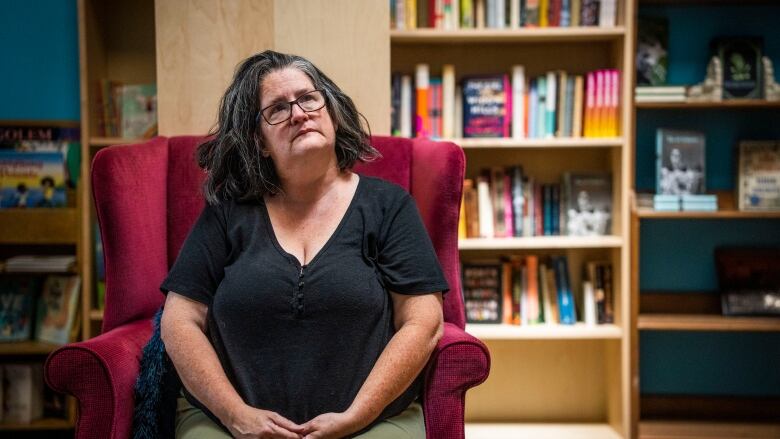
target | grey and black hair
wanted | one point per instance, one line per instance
(232, 157)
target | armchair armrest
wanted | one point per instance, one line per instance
(101, 374)
(459, 362)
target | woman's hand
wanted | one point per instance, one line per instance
(251, 423)
(330, 426)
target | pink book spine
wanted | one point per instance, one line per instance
(589, 98)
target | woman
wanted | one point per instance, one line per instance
(307, 299)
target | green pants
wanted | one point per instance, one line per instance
(192, 423)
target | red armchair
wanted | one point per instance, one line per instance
(147, 198)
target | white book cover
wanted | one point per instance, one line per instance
(57, 308)
(759, 175)
(550, 103)
(485, 208)
(406, 106)
(514, 10)
(590, 303)
(607, 10)
(448, 101)
(518, 107)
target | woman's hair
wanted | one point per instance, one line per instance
(232, 157)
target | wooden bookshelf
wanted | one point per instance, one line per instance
(39, 226)
(40, 424)
(734, 104)
(703, 322)
(96, 315)
(524, 35)
(540, 242)
(109, 141)
(580, 142)
(719, 214)
(676, 429)
(26, 348)
(540, 431)
(544, 332)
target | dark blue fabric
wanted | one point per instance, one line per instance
(156, 390)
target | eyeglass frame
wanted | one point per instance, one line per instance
(290, 103)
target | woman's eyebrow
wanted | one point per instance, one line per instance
(298, 93)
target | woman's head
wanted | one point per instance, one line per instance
(237, 157)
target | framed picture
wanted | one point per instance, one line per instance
(742, 68)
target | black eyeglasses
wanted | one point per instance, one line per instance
(279, 112)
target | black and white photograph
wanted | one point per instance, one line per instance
(679, 162)
(588, 204)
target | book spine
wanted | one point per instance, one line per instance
(448, 110)
(485, 207)
(423, 120)
(551, 102)
(517, 200)
(518, 109)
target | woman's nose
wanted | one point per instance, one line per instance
(298, 114)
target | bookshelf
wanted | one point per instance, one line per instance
(116, 41)
(659, 315)
(546, 381)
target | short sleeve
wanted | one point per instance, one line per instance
(405, 255)
(200, 266)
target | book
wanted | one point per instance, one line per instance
(567, 314)
(57, 309)
(679, 162)
(758, 175)
(138, 103)
(740, 59)
(23, 393)
(588, 203)
(17, 295)
(40, 263)
(487, 103)
(652, 50)
(32, 179)
(482, 292)
(422, 121)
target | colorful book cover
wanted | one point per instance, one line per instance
(422, 118)
(482, 292)
(566, 311)
(57, 309)
(486, 104)
(759, 175)
(138, 105)
(17, 295)
(32, 179)
(652, 50)
(680, 163)
(588, 203)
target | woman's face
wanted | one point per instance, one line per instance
(304, 132)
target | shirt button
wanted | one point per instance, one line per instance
(300, 284)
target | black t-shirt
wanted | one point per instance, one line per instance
(301, 341)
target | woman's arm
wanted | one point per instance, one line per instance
(419, 326)
(182, 329)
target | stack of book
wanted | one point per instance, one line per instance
(500, 14)
(535, 289)
(556, 104)
(665, 93)
(40, 264)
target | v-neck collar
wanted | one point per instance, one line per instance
(294, 259)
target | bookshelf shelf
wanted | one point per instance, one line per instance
(40, 424)
(108, 141)
(26, 348)
(704, 322)
(96, 315)
(674, 429)
(540, 242)
(722, 105)
(477, 36)
(720, 214)
(537, 143)
(39, 226)
(543, 332)
(540, 431)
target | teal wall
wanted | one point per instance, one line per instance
(39, 74)
(678, 255)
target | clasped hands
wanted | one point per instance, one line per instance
(253, 423)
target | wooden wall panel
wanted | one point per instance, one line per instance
(199, 44)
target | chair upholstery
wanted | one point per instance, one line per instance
(147, 197)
